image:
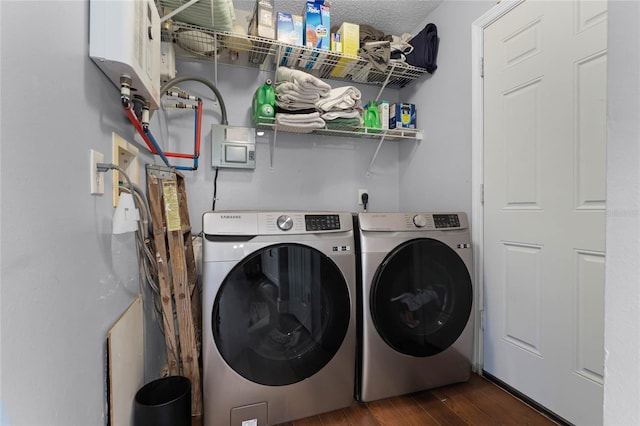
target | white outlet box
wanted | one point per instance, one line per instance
(125, 156)
(96, 178)
(360, 192)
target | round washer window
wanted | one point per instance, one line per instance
(421, 297)
(281, 314)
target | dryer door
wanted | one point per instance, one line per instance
(281, 314)
(421, 297)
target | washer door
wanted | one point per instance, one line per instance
(421, 297)
(281, 314)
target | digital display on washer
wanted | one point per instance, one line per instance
(322, 222)
(446, 220)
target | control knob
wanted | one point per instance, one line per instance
(285, 222)
(419, 220)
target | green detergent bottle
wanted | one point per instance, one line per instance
(371, 117)
(263, 106)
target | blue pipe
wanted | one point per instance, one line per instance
(157, 147)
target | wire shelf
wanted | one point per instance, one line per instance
(350, 131)
(224, 47)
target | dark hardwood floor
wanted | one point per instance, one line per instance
(476, 402)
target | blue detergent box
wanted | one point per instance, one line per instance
(317, 25)
(402, 115)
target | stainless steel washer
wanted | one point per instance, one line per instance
(278, 315)
(416, 299)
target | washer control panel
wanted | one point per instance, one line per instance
(446, 220)
(322, 222)
(254, 223)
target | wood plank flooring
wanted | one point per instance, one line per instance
(477, 402)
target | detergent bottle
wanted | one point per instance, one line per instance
(263, 106)
(371, 116)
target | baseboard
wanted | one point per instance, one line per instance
(550, 414)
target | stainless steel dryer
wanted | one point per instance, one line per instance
(278, 315)
(416, 299)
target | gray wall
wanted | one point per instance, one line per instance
(309, 172)
(64, 278)
(436, 176)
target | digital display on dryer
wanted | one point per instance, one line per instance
(322, 222)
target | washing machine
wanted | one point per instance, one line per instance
(278, 315)
(415, 302)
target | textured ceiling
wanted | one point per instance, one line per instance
(389, 16)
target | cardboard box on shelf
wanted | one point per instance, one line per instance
(402, 115)
(317, 24)
(383, 112)
(289, 28)
(336, 46)
(350, 40)
(262, 22)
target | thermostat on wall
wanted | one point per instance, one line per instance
(233, 147)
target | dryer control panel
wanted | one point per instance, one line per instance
(417, 221)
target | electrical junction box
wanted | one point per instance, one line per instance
(124, 39)
(233, 147)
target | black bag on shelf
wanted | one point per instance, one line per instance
(425, 49)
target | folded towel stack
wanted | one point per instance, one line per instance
(297, 93)
(344, 105)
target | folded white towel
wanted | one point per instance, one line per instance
(347, 97)
(292, 86)
(332, 115)
(310, 98)
(299, 123)
(305, 81)
(299, 118)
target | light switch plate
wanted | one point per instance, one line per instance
(96, 178)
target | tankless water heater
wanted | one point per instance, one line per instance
(124, 39)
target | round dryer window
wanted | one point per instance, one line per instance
(421, 297)
(281, 314)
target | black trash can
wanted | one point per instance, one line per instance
(164, 402)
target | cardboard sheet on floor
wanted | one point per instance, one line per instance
(125, 346)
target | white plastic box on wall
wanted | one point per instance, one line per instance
(124, 39)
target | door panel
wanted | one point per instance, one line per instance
(544, 203)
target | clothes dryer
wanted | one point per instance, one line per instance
(278, 315)
(415, 302)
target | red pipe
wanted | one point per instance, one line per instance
(134, 120)
(179, 155)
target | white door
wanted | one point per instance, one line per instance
(544, 204)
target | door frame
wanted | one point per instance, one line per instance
(477, 164)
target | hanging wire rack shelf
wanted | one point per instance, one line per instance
(223, 47)
(349, 131)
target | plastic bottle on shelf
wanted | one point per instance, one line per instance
(263, 106)
(371, 116)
